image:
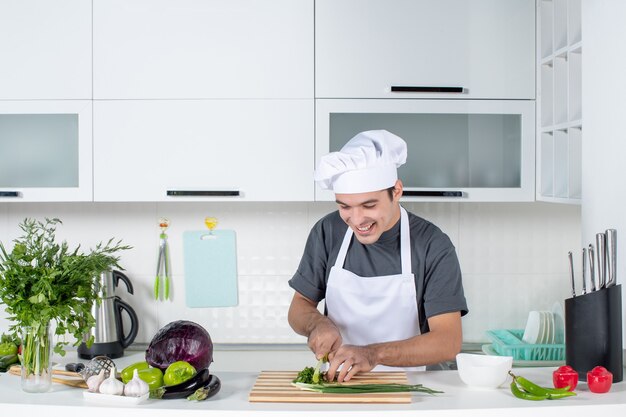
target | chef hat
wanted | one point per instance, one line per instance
(368, 162)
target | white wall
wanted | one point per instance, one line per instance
(513, 257)
(604, 113)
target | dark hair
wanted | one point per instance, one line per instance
(390, 191)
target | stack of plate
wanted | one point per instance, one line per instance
(545, 327)
(541, 343)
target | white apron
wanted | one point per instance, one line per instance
(374, 309)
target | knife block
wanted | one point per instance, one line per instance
(593, 332)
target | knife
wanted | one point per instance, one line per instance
(601, 259)
(611, 256)
(584, 271)
(571, 273)
(592, 269)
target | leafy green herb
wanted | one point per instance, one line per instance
(305, 376)
(43, 281)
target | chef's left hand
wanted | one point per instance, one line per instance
(352, 359)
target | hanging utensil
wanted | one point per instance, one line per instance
(592, 269)
(163, 263)
(571, 272)
(611, 257)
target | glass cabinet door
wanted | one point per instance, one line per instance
(45, 151)
(477, 150)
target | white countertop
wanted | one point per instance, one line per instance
(232, 400)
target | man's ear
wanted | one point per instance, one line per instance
(397, 190)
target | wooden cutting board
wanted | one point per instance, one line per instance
(275, 387)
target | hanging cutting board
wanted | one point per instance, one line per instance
(275, 387)
(210, 268)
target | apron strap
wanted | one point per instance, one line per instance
(405, 244)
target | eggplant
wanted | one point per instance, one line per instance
(211, 388)
(184, 389)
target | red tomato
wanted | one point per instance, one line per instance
(565, 376)
(599, 380)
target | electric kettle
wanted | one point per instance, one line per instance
(109, 336)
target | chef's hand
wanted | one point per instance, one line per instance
(352, 360)
(324, 338)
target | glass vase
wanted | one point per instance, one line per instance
(36, 352)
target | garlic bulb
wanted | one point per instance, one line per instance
(136, 387)
(94, 381)
(111, 385)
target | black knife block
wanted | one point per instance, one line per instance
(593, 332)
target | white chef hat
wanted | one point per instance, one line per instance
(368, 162)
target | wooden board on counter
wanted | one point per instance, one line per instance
(275, 387)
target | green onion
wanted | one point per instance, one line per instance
(364, 388)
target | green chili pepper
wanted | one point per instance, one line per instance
(528, 390)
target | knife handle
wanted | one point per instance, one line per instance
(584, 271)
(601, 259)
(571, 272)
(611, 256)
(592, 269)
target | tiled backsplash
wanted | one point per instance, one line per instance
(513, 258)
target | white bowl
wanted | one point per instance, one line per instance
(483, 371)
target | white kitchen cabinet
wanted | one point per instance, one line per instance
(45, 150)
(45, 49)
(367, 48)
(190, 49)
(458, 150)
(203, 150)
(559, 93)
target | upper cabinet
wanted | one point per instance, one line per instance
(45, 150)
(203, 150)
(45, 49)
(194, 49)
(458, 150)
(559, 93)
(466, 49)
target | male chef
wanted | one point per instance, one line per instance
(391, 280)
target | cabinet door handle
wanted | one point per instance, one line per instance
(424, 89)
(203, 193)
(9, 194)
(433, 193)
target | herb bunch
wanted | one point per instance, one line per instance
(42, 281)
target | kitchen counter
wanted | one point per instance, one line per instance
(232, 400)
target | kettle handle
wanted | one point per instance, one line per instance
(134, 327)
(117, 276)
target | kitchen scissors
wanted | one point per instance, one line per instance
(163, 263)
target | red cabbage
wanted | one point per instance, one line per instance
(180, 341)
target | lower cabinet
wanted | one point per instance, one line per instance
(203, 150)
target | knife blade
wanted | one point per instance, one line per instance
(584, 271)
(611, 257)
(592, 269)
(601, 259)
(571, 272)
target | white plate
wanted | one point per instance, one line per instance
(559, 323)
(532, 332)
(488, 350)
(108, 399)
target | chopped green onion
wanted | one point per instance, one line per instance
(364, 388)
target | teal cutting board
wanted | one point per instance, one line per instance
(210, 269)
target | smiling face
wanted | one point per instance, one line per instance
(370, 214)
